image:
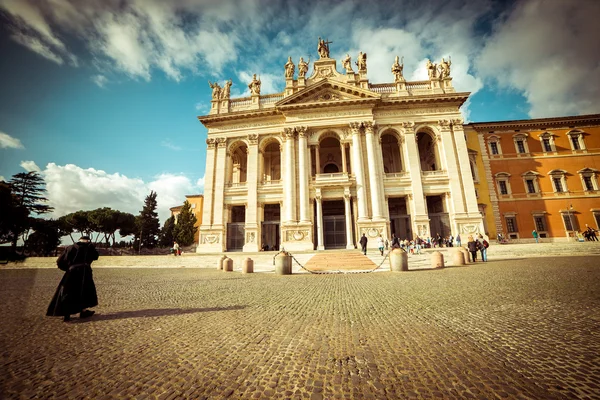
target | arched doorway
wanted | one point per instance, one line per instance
(391, 153)
(428, 155)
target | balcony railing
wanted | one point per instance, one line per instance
(383, 87)
(236, 185)
(440, 172)
(396, 175)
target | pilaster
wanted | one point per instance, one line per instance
(358, 170)
(372, 158)
(420, 219)
(251, 223)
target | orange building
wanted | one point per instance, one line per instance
(196, 201)
(543, 174)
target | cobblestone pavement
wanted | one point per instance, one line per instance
(504, 329)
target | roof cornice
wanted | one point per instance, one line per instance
(540, 123)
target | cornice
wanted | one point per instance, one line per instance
(538, 124)
(232, 116)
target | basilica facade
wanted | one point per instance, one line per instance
(334, 157)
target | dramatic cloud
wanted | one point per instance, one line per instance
(549, 50)
(9, 142)
(71, 188)
(30, 166)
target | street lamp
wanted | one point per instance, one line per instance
(571, 220)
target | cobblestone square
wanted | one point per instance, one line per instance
(518, 329)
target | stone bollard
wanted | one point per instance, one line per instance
(283, 264)
(437, 259)
(398, 260)
(220, 262)
(466, 255)
(458, 258)
(248, 266)
(228, 265)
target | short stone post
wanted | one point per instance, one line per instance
(466, 255)
(228, 265)
(437, 260)
(458, 258)
(220, 262)
(398, 260)
(283, 264)
(248, 266)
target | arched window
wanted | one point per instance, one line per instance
(329, 152)
(391, 153)
(271, 165)
(428, 154)
(238, 164)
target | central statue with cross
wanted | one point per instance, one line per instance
(323, 48)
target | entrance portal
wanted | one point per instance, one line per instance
(270, 227)
(399, 218)
(334, 224)
(236, 229)
(439, 220)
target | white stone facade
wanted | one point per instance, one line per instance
(333, 157)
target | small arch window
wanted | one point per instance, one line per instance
(547, 141)
(494, 145)
(589, 179)
(530, 180)
(503, 183)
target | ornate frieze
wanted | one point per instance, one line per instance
(222, 142)
(209, 238)
(211, 142)
(416, 111)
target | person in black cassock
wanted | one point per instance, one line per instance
(76, 291)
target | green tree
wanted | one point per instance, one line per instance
(127, 225)
(14, 217)
(148, 225)
(29, 189)
(184, 229)
(106, 221)
(45, 238)
(166, 233)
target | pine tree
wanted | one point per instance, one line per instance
(148, 225)
(28, 189)
(184, 229)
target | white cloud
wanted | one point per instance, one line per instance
(30, 166)
(200, 184)
(100, 80)
(9, 142)
(170, 145)
(2, 178)
(72, 188)
(549, 50)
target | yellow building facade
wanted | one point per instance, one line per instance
(196, 202)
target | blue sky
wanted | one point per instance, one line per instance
(101, 97)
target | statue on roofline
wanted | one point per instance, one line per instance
(226, 89)
(397, 70)
(361, 62)
(444, 68)
(302, 67)
(431, 69)
(254, 86)
(289, 68)
(347, 64)
(323, 48)
(216, 90)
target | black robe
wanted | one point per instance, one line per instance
(76, 290)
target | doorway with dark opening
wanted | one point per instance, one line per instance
(439, 219)
(334, 224)
(236, 228)
(399, 218)
(270, 227)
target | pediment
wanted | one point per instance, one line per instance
(327, 91)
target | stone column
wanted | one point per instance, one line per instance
(343, 147)
(207, 207)
(357, 167)
(220, 182)
(454, 173)
(290, 179)
(318, 159)
(320, 245)
(349, 241)
(465, 166)
(420, 219)
(251, 223)
(303, 174)
(374, 181)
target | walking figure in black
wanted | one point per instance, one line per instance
(76, 291)
(363, 244)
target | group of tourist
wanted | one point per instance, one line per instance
(475, 244)
(590, 234)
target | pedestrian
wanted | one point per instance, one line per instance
(363, 244)
(472, 247)
(380, 244)
(76, 291)
(395, 241)
(176, 248)
(484, 246)
(458, 240)
(535, 235)
(387, 244)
